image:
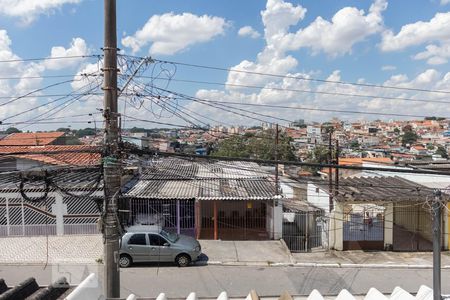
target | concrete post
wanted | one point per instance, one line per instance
(59, 209)
(337, 227)
(389, 225)
(7, 217)
(178, 217)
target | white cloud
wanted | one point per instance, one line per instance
(29, 10)
(444, 2)
(388, 68)
(435, 54)
(248, 31)
(78, 47)
(170, 33)
(347, 27)
(437, 29)
(337, 37)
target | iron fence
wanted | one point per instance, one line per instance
(303, 231)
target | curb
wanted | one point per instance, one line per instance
(320, 265)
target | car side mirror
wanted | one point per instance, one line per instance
(166, 245)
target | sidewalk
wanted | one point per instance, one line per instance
(87, 249)
(376, 259)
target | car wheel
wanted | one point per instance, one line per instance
(183, 260)
(125, 261)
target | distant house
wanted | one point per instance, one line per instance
(34, 139)
(17, 158)
(418, 150)
(209, 200)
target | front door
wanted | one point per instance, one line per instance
(159, 252)
(138, 247)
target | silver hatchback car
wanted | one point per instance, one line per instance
(152, 244)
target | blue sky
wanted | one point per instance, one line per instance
(398, 43)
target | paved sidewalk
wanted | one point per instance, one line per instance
(78, 249)
(86, 249)
(246, 252)
(374, 259)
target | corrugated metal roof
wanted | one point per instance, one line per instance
(175, 178)
(205, 189)
(73, 180)
(179, 169)
(379, 188)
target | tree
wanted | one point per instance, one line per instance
(260, 146)
(12, 130)
(409, 137)
(441, 151)
(85, 132)
(64, 129)
(396, 131)
(319, 155)
(354, 145)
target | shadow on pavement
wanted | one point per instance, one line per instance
(202, 261)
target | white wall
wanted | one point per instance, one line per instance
(432, 181)
(318, 197)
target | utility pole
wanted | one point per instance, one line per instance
(111, 160)
(276, 158)
(277, 186)
(330, 169)
(336, 179)
(436, 214)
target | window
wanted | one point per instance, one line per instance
(156, 240)
(137, 239)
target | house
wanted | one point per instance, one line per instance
(209, 200)
(376, 213)
(18, 158)
(34, 139)
(68, 203)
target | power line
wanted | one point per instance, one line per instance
(191, 98)
(302, 91)
(50, 58)
(302, 77)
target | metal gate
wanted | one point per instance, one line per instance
(172, 215)
(236, 220)
(412, 228)
(303, 231)
(363, 228)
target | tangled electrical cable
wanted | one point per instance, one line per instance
(47, 180)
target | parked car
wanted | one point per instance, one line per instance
(152, 244)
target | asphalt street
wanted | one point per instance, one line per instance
(209, 281)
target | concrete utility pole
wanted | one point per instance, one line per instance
(111, 161)
(330, 169)
(277, 186)
(436, 214)
(336, 178)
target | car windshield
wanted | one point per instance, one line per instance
(173, 237)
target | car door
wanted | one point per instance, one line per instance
(158, 250)
(138, 247)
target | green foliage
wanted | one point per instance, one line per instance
(396, 130)
(409, 137)
(85, 132)
(442, 152)
(354, 145)
(319, 155)
(64, 129)
(260, 146)
(12, 130)
(72, 140)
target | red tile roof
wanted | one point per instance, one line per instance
(77, 157)
(30, 138)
